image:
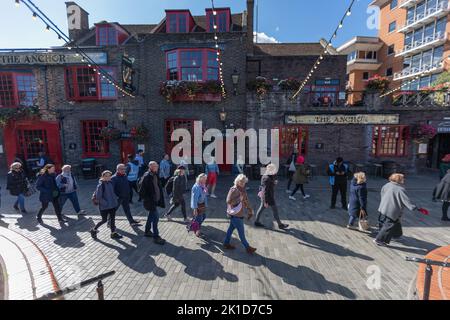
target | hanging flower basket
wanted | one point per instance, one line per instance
(140, 133)
(289, 84)
(378, 84)
(8, 115)
(111, 134)
(261, 86)
(422, 133)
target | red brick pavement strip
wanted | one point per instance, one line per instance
(28, 272)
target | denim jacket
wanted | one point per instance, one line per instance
(198, 195)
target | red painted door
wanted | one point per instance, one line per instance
(292, 137)
(28, 138)
(225, 167)
(126, 148)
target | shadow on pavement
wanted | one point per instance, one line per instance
(302, 277)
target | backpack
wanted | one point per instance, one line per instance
(94, 199)
(169, 186)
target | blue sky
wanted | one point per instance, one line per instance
(283, 20)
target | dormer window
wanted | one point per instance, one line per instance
(178, 21)
(110, 34)
(222, 19)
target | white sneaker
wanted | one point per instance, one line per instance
(214, 196)
(306, 196)
(292, 198)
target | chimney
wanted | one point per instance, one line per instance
(250, 21)
(77, 20)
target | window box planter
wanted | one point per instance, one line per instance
(185, 91)
(198, 97)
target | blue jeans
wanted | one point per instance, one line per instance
(20, 202)
(236, 223)
(152, 222)
(73, 197)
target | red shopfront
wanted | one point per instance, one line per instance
(29, 137)
(292, 137)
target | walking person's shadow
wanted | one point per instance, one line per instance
(66, 236)
(302, 277)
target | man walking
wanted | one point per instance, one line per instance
(164, 170)
(122, 190)
(132, 172)
(338, 173)
(152, 194)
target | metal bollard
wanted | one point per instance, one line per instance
(100, 290)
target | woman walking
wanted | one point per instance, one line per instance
(300, 178)
(237, 201)
(358, 198)
(393, 201)
(68, 188)
(49, 192)
(106, 199)
(267, 196)
(17, 185)
(177, 194)
(199, 202)
(291, 169)
(212, 171)
(442, 192)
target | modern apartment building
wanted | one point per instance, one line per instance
(412, 42)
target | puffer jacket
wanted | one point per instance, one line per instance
(16, 183)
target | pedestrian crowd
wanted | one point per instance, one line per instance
(156, 181)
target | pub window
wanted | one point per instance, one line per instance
(192, 65)
(83, 83)
(94, 145)
(171, 125)
(17, 89)
(292, 138)
(390, 141)
(177, 22)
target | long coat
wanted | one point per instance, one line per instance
(358, 198)
(442, 190)
(149, 195)
(300, 175)
(46, 184)
(268, 184)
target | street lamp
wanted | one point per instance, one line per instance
(235, 78)
(123, 117)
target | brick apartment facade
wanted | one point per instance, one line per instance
(76, 104)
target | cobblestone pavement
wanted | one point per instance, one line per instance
(317, 258)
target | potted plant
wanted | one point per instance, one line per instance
(16, 114)
(140, 132)
(174, 90)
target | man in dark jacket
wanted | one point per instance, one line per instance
(442, 192)
(178, 189)
(268, 182)
(338, 172)
(122, 190)
(152, 195)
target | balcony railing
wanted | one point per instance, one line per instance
(361, 60)
(408, 3)
(412, 72)
(421, 98)
(424, 44)
(428, 15)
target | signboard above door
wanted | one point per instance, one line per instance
(49, 58)
(343, 119)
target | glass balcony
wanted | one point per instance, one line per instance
(429, 15)
(427, 43)
(417, 71)
(408, 3)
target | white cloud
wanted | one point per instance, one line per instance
(264, 38)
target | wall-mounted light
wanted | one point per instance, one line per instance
(235, 78)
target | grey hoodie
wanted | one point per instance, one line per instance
(393, 200)
(106, 196)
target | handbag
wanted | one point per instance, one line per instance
(363, 223)
(201, 208)
(232, 211)
(31, 189)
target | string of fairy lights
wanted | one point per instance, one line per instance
(316, 65)
(85, 58)
(404, 84)
(219, 55)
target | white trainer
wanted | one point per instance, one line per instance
(306, 196)
(292, 198)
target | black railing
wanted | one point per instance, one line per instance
(62, 292)
(428, 272)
